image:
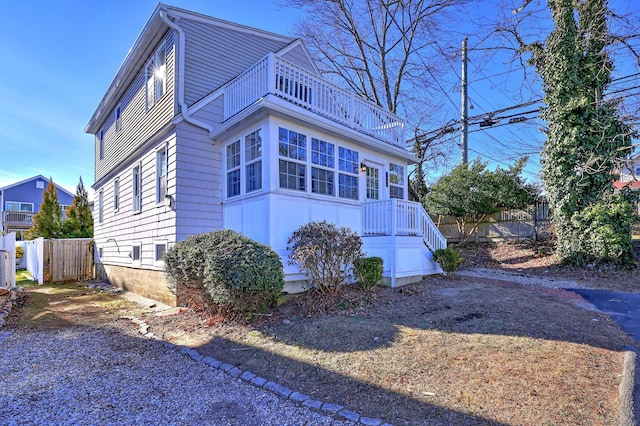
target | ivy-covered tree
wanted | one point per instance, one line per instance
(79, 223)
(586, 137)
(47, 223)
(471, 192)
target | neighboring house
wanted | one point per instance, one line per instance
(212, 125)
(20, 201)
(630, 177)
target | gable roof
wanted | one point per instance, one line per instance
(38, 177)
(150, 35)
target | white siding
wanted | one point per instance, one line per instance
(138, 124)
(214, 56)
(198, 183)
(155, 222)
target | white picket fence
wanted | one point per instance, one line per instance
(8, 260)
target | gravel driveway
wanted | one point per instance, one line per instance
(85, 376)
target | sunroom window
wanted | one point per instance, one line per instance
(253, 161)
(244, 164)
(322, 174)
(348, 177)
(396, 181)
(233, 169)
(293, 169)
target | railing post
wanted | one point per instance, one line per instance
(271, 73)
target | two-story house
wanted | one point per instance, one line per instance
(20, 201)
(212, 125)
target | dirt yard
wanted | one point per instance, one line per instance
(457, 350)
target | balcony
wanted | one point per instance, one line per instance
(21, 220)
(278, 77)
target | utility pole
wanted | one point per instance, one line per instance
(465, 103)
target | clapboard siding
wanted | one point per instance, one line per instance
(155, 222)
(215, 55)
(199, 183)
(299, 57)
(138, 124)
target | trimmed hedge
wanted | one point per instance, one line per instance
(368, 271)
(239, 276)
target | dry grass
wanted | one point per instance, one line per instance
(454, 351)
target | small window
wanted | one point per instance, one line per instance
(101, 144)
(233, 169)
(156, 71)
(39, 184)
(396, 181)
(136, 253)
(100, 207)
(161, 175)
(116, 195)
(137, 188)
(118, 118)
(15, 206)
(160, 250)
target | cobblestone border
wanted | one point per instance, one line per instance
(327, 408)
(6, 309)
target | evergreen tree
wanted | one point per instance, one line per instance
(586, 137)
(47, 223)
(79, 223)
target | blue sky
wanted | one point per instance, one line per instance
(59, 57)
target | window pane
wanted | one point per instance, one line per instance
(233, 183)
(292, 175)
(322, 153)
(233, 155)
(322, 181)
(160, 251)
(348, 187)
(254, 176)
(253, 146)
(292, 144)
(348, 160)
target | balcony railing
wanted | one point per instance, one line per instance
(273, 75)
(400, 217)
(17, 219)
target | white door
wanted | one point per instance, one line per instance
(373, 190)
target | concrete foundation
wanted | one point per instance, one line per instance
(145, 282)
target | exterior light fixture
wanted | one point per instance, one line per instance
(363, 167)
(167, 200)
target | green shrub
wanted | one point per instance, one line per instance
(448, 259)
(325, 254)
(368, 271)
(239, 276)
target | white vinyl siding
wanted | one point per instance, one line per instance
(118, 118)
(136, 254)
(101, 144)
(208, 67)
(137, 123)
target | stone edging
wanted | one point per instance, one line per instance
(6, 309)
(326, 408)
(628, 388)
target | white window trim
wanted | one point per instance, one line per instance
(136, 262)
(116, 195)
(6, 204)
(156, 243)
(100, 207)
(152, 78)
(160, 197)
(101, 144)
(117, 115)
(139, 186)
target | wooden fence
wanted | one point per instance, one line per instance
(68, 259)
(532, 223)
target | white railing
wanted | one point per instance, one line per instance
(17, 218)
(276, 76)
(400, 217)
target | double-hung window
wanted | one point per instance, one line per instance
(348, 167)
(118, 118)
(292, 167)
(161, 174)
(137, 188)
(253, 161)
(156, 74)
(323, 164)
(396, 181)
